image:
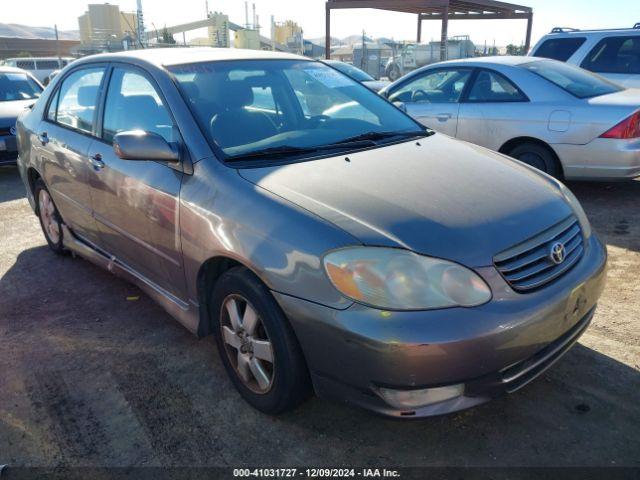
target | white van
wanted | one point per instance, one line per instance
(614, 54)
(39, 67)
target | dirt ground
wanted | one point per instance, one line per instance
(89, 378)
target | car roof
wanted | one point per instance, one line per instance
(37, 58)
(7, 69)
(164, 57)
(560, 32)
(508, 60)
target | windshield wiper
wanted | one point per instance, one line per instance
(373, 136)
(285, 150)
(282, 150)
(357, 141)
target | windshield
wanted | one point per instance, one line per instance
(353, 72)
(285, 106)
(18, 86)
(578, 82)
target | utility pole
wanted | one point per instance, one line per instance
(55, 27)
(364, 51)
(273, 33)
(140, 24)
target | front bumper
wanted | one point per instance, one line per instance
(8, 150)
(495, 348)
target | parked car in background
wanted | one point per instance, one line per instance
(558, 118)
(39, 67)
(358, 75)
(18, 91)
(362, 256)
(614, 54)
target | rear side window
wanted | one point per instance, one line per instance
(494, 87)
(559, 48)
(578, 82)
(78, 98)
(134, 104)
(615, 55)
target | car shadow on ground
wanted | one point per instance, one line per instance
(96, 373)
(12, 187)
(613, 209)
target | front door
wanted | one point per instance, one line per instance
(65, 136)
(432, 97)
(136, 202)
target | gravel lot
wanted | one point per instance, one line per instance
(90, 378)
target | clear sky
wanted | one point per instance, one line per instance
(310, 15)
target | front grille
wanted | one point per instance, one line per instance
(5, 131)
(529, 266)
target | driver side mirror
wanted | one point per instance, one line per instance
(142, 145)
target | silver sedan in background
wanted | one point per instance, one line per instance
(561, 119)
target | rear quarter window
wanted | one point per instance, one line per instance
(559, 48)
(615, 55)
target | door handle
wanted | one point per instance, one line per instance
(96, 161)
(443, 117)
(44, 138)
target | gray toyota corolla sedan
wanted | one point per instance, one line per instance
(328, 241)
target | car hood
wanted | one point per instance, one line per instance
(9, 111)
(443, 198)
(376, 85)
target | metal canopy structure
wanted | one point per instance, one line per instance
(443, 10)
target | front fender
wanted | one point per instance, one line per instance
(221, 214)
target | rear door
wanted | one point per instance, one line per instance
(616, 58)
(433, 97)
(136, 203)
(66, 134)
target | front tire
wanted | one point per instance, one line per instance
(537, 156)
(257, 345)
(394, 73)
(50, 219)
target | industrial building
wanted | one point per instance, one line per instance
(104, 24)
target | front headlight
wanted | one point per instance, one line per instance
(394, 279)
(577, 209)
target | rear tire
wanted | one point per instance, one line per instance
(537, 156)
(50, 219)
(257, 346)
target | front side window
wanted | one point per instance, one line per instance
(576, 81)
(494, 87)
(559, 48)
(134, 104)
(439, 86)
(615, 55)
(251, 107)
(78, 99)
(18, 86)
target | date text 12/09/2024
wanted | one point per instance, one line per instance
(316, 472)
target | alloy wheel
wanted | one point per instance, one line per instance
(247, 344)
(48, 216)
